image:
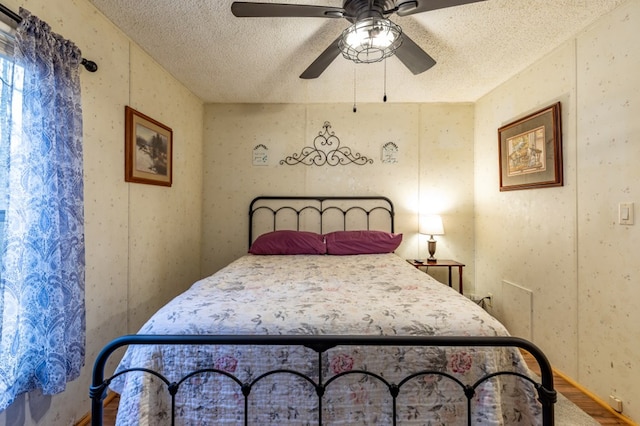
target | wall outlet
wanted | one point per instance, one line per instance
(473, 297)
(482, 301)
(615, 403)
(490, 300)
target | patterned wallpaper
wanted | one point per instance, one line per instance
(434, 168)
(564, 244)
(608, 153)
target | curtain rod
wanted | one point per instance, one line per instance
(88, 65)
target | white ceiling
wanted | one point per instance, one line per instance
(222, 58)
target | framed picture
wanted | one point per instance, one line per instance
(530, 151)
(148, 150)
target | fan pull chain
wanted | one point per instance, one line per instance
(355, 109)
(384, 98)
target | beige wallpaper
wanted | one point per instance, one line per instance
(527, 237)
(564, 244)
(423, 134)
(164, 223)
(142, 242)
(608, 154)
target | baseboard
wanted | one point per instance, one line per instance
(86, 419)
(595, 398)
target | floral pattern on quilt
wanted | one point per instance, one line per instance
(324, 295)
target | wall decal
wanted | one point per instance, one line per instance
(389, 153)
(260, 155)
(326, 149)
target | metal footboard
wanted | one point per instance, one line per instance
(546, 393)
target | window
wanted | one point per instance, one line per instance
(8, 108)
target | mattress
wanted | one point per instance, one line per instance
(378, 294)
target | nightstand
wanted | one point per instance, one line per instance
(440, 263)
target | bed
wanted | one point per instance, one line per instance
(321, 323)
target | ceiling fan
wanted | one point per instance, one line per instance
(366, 16)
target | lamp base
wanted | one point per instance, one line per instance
(432, 250)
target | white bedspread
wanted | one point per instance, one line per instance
(354, 295)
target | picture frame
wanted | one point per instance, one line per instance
(530, 151)
(148, 150)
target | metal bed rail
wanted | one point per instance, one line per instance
(547, 396)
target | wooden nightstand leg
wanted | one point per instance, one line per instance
(450, 277)
(460, 275)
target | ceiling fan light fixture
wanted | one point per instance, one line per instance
(370, 40)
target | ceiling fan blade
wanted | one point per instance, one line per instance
(322, 62)
(406, 8)
(413, 57)
(243, 9)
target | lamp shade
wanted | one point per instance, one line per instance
(431, 225)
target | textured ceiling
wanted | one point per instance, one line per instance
(222, 58)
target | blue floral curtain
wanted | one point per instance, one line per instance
(42, 308)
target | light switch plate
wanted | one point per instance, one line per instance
(625, 213)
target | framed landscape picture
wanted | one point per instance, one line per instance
(530, 151)
(148, 150)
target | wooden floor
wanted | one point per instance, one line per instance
(588, 405)
(595, 410)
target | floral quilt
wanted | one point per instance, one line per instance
(330, 295)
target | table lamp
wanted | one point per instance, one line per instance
(431, 225)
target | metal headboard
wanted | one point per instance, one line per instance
(320, 214)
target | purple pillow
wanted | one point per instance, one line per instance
(362, 242)
(289, 242)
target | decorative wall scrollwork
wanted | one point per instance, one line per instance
(326, 149)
